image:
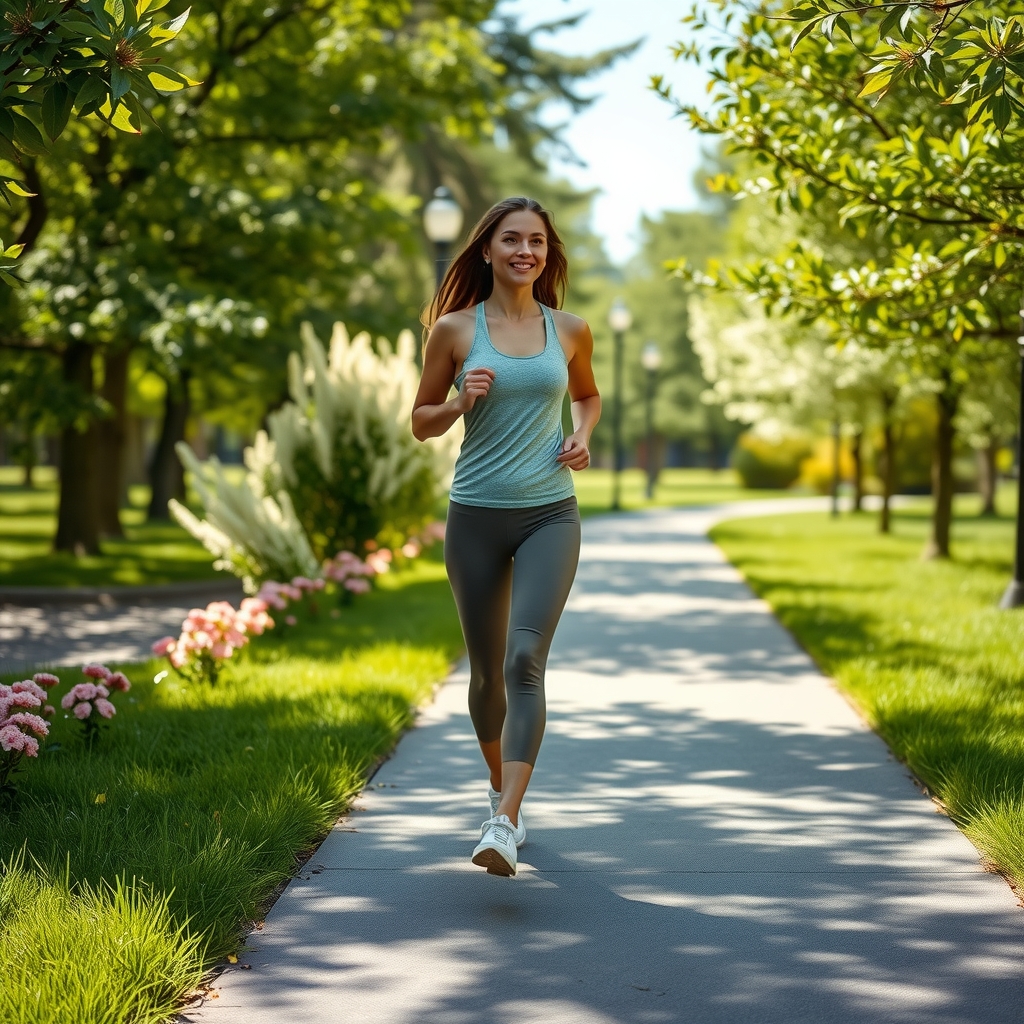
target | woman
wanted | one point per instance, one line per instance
(513, 536)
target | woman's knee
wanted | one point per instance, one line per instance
(525, 657)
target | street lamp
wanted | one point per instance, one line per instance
(1014, 595)
(650, 360)
(442, 221)
(619, 320)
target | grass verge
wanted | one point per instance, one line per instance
(935, 666)
(148, 553)
(171, 835)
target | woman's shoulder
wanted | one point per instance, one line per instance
(570, 327)
(455, 327)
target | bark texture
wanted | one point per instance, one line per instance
(942, 476)
(110, 435)
(77, 514)
(987, 477)
(166, 476)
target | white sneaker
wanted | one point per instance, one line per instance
(496, 851)
(520, 829)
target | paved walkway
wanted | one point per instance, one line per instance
(50, 629)
(714, 837)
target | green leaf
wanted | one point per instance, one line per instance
(120, 83)
(170, 29)
(19, 190)
(999, 256)
(26, 136)
(1000, 107)
(93, 92)
(57, 102)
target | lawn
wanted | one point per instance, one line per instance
(163, 843)
(936, 668)
(149, 552)
(153, 553)
(674, 487)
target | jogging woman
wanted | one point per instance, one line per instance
(513, 536)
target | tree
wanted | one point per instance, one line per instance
(939, 196)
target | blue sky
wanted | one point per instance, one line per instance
(638, 155)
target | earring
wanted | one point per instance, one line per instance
(487, 261)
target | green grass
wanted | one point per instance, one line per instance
(148, 553)
(674, 487)
(206, 795)
(935, 666)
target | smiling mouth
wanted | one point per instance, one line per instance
(522, 266)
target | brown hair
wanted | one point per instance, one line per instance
(469, 280)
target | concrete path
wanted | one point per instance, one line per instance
(714, 837)
(40, 627)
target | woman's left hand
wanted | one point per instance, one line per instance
(575, 453)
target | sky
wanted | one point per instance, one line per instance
(640, 158)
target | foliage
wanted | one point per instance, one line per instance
(343, 448)
(209, 796)
(964, 51)
(769, 462)
(921, 648)
(89, 57)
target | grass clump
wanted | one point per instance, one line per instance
(935, 666)
(193, 807)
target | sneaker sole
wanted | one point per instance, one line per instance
(495, 863)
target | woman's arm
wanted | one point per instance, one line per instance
(433, 412)
(586, 401)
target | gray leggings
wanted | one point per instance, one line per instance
(510, 570)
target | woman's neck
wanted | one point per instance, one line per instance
(512, 303)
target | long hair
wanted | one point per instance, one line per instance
(469, 280)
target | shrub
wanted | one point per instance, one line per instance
(338, 471)
(817, 469)
(343, 449)
(762, 463)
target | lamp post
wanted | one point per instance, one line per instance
(619, 320)
(1014, 595)
(442, 221)
(650, 360)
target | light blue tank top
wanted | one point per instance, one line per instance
(514, 435)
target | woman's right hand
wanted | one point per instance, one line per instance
(475, 385)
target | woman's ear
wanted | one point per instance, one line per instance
(486, 253)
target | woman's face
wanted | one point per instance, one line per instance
(518, 249)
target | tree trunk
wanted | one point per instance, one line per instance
(29, 460)
(942, 477)
(888, 467)
(987, 477)
(77, 513)
(166, 475)
(857, 454)
(110, 433)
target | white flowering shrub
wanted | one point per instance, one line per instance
(339, 470)
(343, 449)
(251, 532)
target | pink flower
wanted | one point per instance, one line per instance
(29, 686)
(302, 583)
(119, 681)
(83, 691)
(82, 710)
(252, 606)
(96, 671)
(411, 549)
(102, 691)
(49, 711)
(45, 679)
(31, 722)
(105, 708)
(357, 585)
(12, 738)
(178, 658)
(163, 646)
(379, 561)
(290, 620)
(222, 650)
(67, 700)
(23, 699)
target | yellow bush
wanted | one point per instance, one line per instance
(816, 470)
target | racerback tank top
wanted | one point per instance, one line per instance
(514, 435)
